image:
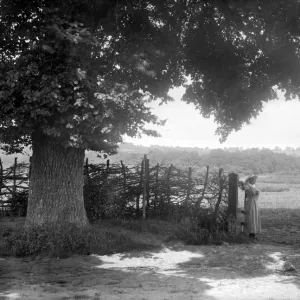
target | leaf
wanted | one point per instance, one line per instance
(48, 49)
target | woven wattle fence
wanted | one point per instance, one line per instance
(140, 191)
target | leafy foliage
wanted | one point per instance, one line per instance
(77, 71)
(247, 49)
(82, 71)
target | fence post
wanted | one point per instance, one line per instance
(221, 187)
(30, 167)
(168, 184)
(1, 176)
(203, 191)
(232, 202)
(156, 186)
(106, 183)
(137, 208)
(87, 170)
(1, 183)
(107, 166)
(147, 169)
(14, 191)
(14, 180)
(124, 176)
(87, 191)
(188, 188)
(145, 188)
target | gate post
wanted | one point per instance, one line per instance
(233, 203)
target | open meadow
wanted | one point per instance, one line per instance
(150, 265)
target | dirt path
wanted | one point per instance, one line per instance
(244, 272)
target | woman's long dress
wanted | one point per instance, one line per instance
(252, 213)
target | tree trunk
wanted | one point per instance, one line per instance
(56, 184)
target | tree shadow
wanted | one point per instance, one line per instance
(231, 270)
(243, 267)
(80, 277)
(178, 271)
(202, 277)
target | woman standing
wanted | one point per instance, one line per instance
(252, 213)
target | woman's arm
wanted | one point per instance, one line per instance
(250, 189)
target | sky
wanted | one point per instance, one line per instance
(277, 125)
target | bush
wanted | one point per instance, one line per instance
(61, 241)
(153, 226)
(190, 231)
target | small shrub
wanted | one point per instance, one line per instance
(153, 226)
(61, 241)
(191, 232)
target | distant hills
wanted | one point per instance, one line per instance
(231, 159)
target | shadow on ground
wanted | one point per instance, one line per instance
(81, 278)
(231, 271)
(240, 271)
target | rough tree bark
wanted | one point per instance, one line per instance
(56, 184)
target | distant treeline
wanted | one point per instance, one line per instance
(232, 159)
(241, 161)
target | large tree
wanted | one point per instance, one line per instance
(76, 75)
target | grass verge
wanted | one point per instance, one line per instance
(101, 238)
(66, 239)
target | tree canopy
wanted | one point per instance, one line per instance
(82, 71)
(248, 49)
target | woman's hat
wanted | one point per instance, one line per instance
(253, 177)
